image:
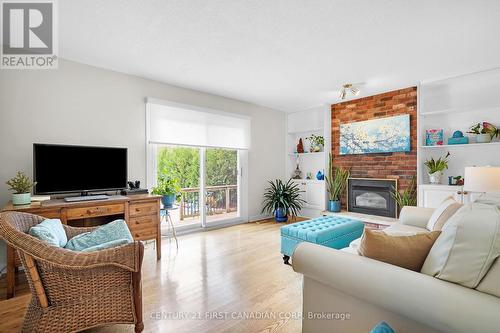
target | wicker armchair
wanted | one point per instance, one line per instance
(73, 291)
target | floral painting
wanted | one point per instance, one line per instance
(383, 135)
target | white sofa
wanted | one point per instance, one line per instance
(359, 292)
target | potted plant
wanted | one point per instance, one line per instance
(282, 199)
(484, 132)
(336, 183)
(435, 168)
(168, 188)
(408, 197)
(317, 143)
(22, 186)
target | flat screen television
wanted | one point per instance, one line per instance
(72, 169)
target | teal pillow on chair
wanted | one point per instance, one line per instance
(107, 245)
(50, 231)
(116, 233)
(382, 327)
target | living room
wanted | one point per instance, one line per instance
(238, 166)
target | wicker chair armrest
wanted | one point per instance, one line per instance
(73, 231)
(126, 256)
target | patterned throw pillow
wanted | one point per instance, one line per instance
(50, 231)
(111, 232)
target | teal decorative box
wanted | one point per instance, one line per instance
(458, 141)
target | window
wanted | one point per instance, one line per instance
(205, 151)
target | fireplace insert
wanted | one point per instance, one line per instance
(372, 196)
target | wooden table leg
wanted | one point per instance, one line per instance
(11, 278)
(158, 238)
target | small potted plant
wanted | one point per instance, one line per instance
(317, 143)
(407, 197)
(435, 168)
(282, 199)
(22, 186)
(336, 183)
(168, 188)
(484, 132)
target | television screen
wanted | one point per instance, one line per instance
(65, 169)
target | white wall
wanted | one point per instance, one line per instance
(81, 104)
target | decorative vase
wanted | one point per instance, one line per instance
(168, 200)
(483, 138)
(315, 148)
(280, 215)
(334, 206)
(19, 199)
(435, 178)
(320, 175)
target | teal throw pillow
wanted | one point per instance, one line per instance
(382, 327)
(107, 245)
(110, 232)
(50, 231)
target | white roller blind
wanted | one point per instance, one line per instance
(171, 123)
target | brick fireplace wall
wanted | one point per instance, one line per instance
(402, 165)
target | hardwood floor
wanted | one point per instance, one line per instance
(216, 280)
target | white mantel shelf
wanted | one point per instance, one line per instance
(462, 145)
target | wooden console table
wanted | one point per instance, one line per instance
(141, 212)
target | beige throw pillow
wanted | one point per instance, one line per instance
(442, 214)
(404, 251)
(467, 247)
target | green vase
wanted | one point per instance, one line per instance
(19, 199)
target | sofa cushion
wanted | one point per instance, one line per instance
(490, 284)
(467, 247)
(489, 199)
(113, 231)
(396, 229)
(50, 231)
(404, 251)
(443, 213)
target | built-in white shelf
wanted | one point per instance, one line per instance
(314, 130)
(314, 181)
(462, 145)
(306, 154)
(459, 110)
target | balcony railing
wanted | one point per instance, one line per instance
(218, 200)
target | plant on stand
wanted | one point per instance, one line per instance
(435, 168)
(408, 197)
(22, 186)
(336, 183)
(317, 143)
(484, 132)
(168, 188)
(282, 199)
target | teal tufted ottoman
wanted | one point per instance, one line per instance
(332, 231)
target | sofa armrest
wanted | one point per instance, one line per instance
(414, 295)
(415, 216)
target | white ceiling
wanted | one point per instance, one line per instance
(285, 54)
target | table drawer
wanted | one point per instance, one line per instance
(143, 234)
(144, 208)
(94, 211)
(143, 222)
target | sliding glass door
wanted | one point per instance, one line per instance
(208, 181)
(221, 184)
(205, 153)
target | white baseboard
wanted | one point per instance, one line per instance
(259, 217)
